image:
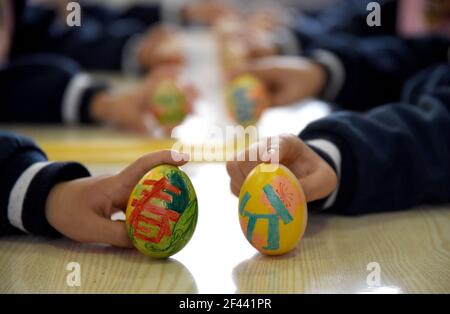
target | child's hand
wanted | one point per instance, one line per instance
(161, 46)
(81, 209)
(129, 109)
(316, 176)
(288, 79)
(259, 43)
(122, 109)
(205, 12)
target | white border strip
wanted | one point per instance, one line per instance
(333, 152)
(73, 96)
(17, 195)
(337, 72)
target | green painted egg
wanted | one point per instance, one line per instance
(169, 103)
(162, 212)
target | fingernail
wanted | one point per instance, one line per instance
(273, 154)
(185, 156)
(182, 157)
(178, 157)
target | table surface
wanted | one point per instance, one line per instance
(409, 250)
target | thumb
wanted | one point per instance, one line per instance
(315, 186)
(134, 172)
(320, 183)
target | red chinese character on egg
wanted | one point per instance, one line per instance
(143, 205)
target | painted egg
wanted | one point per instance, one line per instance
(162, 212)
(272, 209)
(247, 98)
(169, 103)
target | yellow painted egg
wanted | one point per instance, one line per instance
(169, 103)
(162, 212)
(272, 209)
(247, 98)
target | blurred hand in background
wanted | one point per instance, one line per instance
(287, 79)
(160, 46)
(130, 109)
(316, 176)
(206, 12)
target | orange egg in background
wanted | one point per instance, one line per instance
(247, 98)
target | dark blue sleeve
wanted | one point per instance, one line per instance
(33, 89)
(98, 43)
(146, 14)
(94, 45)
(25, 182)
(396, 156)
(346, 17)
(375, 69)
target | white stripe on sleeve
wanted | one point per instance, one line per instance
(333, 152)
(73, 96)
(337, 72)
(18, 192)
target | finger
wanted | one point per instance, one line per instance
(318, 185)
(164, 72)
(286, 95)
(265, 74)
(235, 172)
(134, 172)
(129, 120)
(111, 232)
(139, 123)
(245, 163)
(286, 148)
(248, 160)
(234, 189)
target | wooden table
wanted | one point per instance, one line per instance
(411, 249)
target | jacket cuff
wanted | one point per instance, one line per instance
(335, 73)
(331, 154)
(77, 98)
(27, 200)
(346, 171)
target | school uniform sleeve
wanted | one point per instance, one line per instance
(27, 179)
(345, 18)
(106, 39)
(348, 17)
(367, 72)
(147, 14)
(96, 44)
(394, 157)
(46, 89)
(366, 66)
